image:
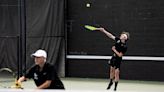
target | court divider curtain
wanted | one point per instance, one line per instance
(44, 30)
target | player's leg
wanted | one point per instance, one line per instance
(112, 74)
(117, 77)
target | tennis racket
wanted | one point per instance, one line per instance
(8, 79)
(89, 27)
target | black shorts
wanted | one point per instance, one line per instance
(115, 62)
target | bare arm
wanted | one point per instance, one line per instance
(46, 84)
(107, 33)
(120, 54)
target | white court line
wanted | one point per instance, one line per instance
(145, 58)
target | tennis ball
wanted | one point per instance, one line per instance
(88, 5)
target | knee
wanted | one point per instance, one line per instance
(111, 69)
(117, 72)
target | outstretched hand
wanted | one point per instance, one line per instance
(17, 85)
(100, 29)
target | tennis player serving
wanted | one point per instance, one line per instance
(119, 49)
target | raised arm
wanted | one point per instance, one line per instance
(106, 32)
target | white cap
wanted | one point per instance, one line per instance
(40, 53)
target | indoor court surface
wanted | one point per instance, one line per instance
(97, 85)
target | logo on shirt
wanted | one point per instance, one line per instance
(44, 73)
(35, 76)
(118, 41)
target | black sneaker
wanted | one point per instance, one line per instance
(114, 89)
(109, 85)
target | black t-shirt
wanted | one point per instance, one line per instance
(120, 47)
(48, 73)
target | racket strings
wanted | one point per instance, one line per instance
(7, 77)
